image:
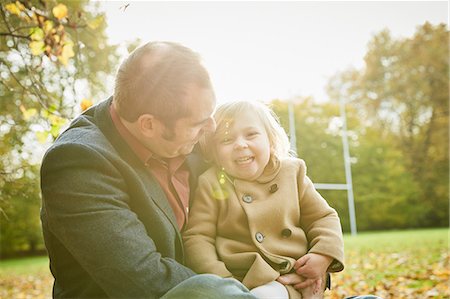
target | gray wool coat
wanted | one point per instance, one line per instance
(108, 227)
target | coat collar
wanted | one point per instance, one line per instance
(269, 174)
(271, 171)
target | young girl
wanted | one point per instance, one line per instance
(256, 215)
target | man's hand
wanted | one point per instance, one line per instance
(312, 267)
(299, 282)
(291, 279)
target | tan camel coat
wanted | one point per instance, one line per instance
(255, 231)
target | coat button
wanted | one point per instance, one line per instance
(247, 198)
(273, 188)
(335, 266)
(286, 232)
(259, 237)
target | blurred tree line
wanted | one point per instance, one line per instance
(55, 57)
(397, 117)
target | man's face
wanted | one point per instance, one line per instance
(187, 131)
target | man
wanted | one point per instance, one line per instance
(115, 185)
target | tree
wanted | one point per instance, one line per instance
(20, 228)
(54, 58)
(403, 92)
(319, 144)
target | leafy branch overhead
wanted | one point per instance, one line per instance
(45, 28)
(53, 57)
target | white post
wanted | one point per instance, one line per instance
(292, 133)
(348, 170)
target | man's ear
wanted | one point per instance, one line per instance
(147, 124)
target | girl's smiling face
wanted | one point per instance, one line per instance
(242, 146)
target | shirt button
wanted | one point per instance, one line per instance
(259, 237)
(247, 198)
(286, 232)
(273, 188)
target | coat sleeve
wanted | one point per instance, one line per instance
(320, 222)
(200, 235)
(86, 207)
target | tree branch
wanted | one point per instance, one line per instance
(15, 35)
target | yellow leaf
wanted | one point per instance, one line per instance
(60, 11)
(48, 26)
(37, 47)
(12, 8)
(56, 124)
(67, 52)
(37, 34)
(54, 130)
(85, 104)
(94, 23)
(42, 136)
(20, 6)
(56, 120)
(27, 113)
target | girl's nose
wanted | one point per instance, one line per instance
(240, 143)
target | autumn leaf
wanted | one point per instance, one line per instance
(15, 8)
(85, 104)
(42, 136)
(56, 123)
(37, 47)
(37, 34)
(20, 6)
(94, 23)
(48, 26)
(67, 52)
(27, 113)
(60, 11)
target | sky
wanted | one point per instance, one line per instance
(270, 50)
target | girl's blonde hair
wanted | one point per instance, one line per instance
(227, 112)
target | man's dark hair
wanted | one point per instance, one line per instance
(154, 80)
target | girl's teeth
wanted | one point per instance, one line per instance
(243, 160)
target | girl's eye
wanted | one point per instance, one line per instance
(253, 134)
(225, 140)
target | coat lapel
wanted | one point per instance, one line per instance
(106, 125)
(197, 166)
(159, 198)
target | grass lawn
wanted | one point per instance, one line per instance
(393, 264)
(25, 278)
